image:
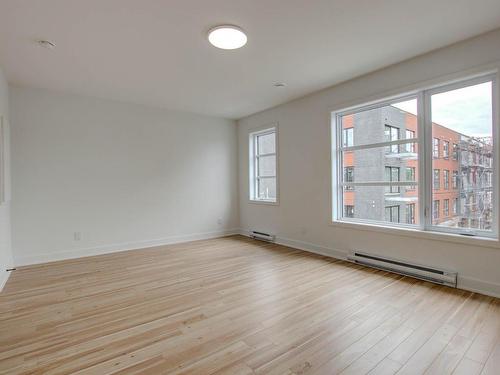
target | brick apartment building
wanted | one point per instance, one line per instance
(462, 171)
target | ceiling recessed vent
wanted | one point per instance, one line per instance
(433, 275)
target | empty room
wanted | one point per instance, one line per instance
(282, 187)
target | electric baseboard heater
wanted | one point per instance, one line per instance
(262, 236)
(407, 269)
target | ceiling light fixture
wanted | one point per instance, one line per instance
(46, 44)
(227, 37)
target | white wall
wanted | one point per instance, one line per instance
(302, 218)
(123, 175)
(5, 239)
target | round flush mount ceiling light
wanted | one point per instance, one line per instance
(227, 37)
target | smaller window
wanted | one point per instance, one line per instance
(410, 213)
(348, 211)
(446, 149)
(349, 177)
(263, 177)
(391, 134)
(446, 179)
(455, 151)
(392, 175)
(446, 208)
(410, 147)
(454, 182)
(410, 176)
(392, 214)
(435, 148)
(435, 179)
(348, 137)
(435, 210)
(455, 206)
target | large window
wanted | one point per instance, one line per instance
(401, 148)
(263, 176)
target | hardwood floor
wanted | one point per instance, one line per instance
(236, 306)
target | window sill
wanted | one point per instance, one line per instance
(416, 233)
(264, 202)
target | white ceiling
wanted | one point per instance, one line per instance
(155, 52)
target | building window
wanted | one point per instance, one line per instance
(348, 137)
(435, 179)
(446, 207)
(392, 214)
(435, 209)
(450, 143)
(263, 156)
(349, 177)
(454, 182)
(435, 148)
(410, 176)
(455, 151)
(410, 213)
(391, 134)
(455, 206)
(410, 147)
(392, 175)
(446, 149)
(349, 211)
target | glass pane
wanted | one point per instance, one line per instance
(267, 188)
(387, 123)
(463, 158)
(267, 165)
(374, 203)
(375, 165)
(266, 143)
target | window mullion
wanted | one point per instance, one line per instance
(425, 160)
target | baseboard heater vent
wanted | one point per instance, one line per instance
(262, 236)
(419, 272)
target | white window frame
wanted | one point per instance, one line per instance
(425, 144)
(253, 162)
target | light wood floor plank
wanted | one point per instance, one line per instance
(237, 306)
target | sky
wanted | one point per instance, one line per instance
(466, 110)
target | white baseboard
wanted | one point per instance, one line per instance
(4, 276)
(306, 246)
(114, 248)
(479, 286)
(466, 283)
